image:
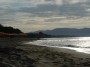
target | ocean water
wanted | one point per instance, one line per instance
(80, 44)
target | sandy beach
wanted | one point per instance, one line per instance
(55, 57)
(15, 54)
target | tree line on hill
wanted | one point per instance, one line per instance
(9, 30)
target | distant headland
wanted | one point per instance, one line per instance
(9, 31)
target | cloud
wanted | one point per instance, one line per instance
(32, 15)
(50, 9)
(66, 9)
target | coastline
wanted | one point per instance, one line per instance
(16, 54)
(65, 50)
(71, 51)
(55, 57)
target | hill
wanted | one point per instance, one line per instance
(38, 35)
(9, 30)
(67, 32)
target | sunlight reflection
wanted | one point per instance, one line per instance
(80, 44)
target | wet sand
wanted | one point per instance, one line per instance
(55, 57)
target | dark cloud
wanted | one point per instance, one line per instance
(46, 10)
(73, 10)
(51, 9)
(39, 8)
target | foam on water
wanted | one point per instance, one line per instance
(80, 44)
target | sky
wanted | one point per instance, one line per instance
(33, 15)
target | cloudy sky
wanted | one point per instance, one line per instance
(33, 15)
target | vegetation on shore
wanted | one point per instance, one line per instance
(9, 30)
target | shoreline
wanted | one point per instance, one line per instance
(42, 56)
(65, 50)
(71, 51)
(55, 57)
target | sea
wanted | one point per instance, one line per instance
(79, 44)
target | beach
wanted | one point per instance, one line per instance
(55, 57)
(44, 33)
(15, 54)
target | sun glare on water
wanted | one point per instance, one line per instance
(80, 44)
